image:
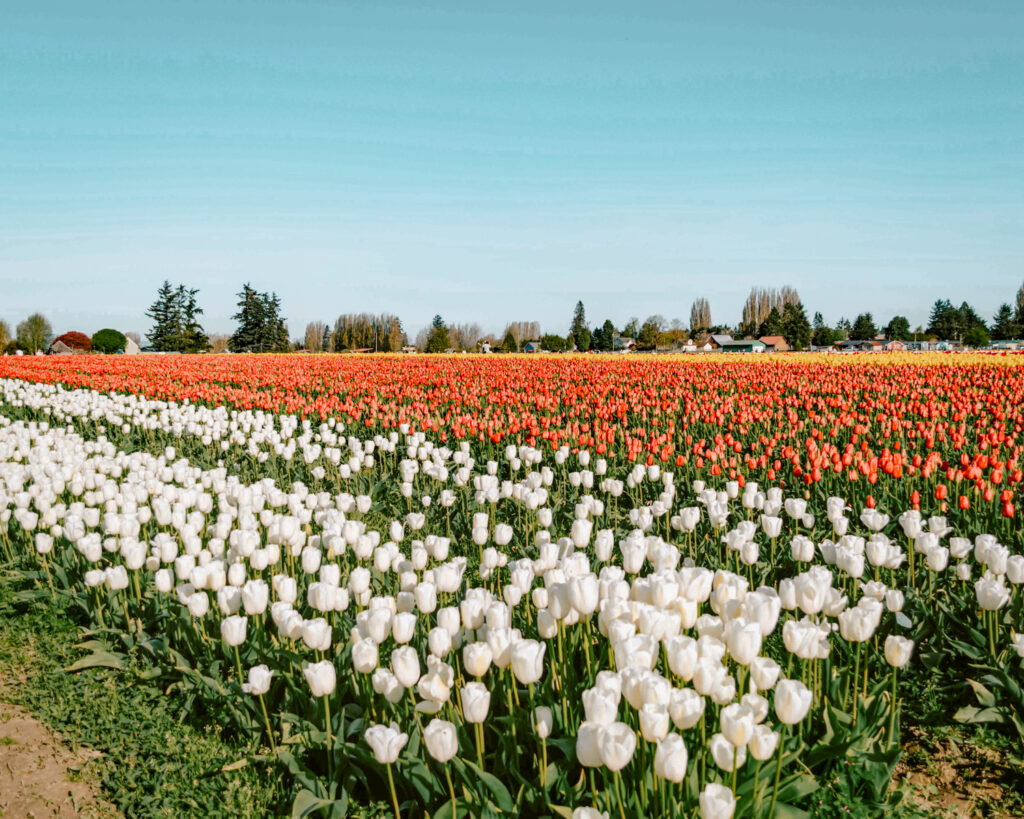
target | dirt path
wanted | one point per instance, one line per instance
(39, 773)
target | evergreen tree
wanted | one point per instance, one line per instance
(509, 344)
(191, 337)
(864, 328)
(163, 311)
(553, 343)
(1004, 326)
(260, 325)
(772, 325)
(647, 339)
(176, 327)
(898, 329)
(579, 333)
(821, 334)
(796, 329)
(943, 320)
(976, 336)
(438, 341)
(603, 337)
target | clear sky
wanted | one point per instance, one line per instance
(498, 161)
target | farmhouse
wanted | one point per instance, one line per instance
(775, 344)
(744, 345)
(623, 344)
(531, 347)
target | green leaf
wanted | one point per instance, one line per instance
(98, 659)
(984, 695)
(971, 714)
(562, 810)
(307, 803)
(502, 797)
(462, 807)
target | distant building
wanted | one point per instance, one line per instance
(859, 345)
(60, 348)
(894, 346)
(623, 344)
(719, 340)
(775, 344)
(409, 349)
(531, 346)
(744, 345)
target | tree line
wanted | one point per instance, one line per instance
(766, 312)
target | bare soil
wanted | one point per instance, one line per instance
(40, 776)
(957, 779)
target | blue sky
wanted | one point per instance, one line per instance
(496, 161)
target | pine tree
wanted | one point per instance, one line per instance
(260, 325)
(509, 344)
(822, 335)
(864, 328)
(438, 341)
(579, 333)
(163, 336)
(772, 325)
(898, 329)
(795, 327)
(192, 338)
(1004, 325)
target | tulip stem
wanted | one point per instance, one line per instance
(892, 708)
(735, 768)
(330, 740)
(238, 667)
(617, 779)
(394, 797)
(778, 769)
(451, 791)
(266, 720)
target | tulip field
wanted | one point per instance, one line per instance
(573, 586)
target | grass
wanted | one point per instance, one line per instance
(155, 760)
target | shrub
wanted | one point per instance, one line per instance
(108, 341)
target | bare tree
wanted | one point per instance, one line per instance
(523, 331)
(219, 342)
(700, 316)
(422, 337)
(315, 336)
(34, 333)
(465, 336)
(761, 302)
